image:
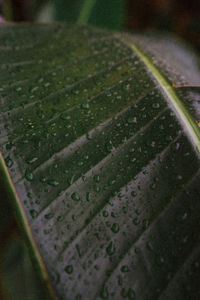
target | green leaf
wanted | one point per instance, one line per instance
(103, 159)
(18, 276)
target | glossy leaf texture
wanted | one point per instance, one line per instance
(106, 170)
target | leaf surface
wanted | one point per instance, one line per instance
(103, 169)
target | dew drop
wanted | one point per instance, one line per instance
(75, 197)
(133, 194)
(48, 216)
(124, 269)
(124, 209)
(53, 182)
(28, 175)
(96, 178)
(104, 293)
(56, 277)
(88, 195)
(78, 297)
(105, 213)
(111, 248)
(155, 105)
(70, 180)
(132, 120)
(145, 223)
(85, 105)
(131, 294)
(115, 228)
(136, 221)
(78, 249)
(59, 218)
(109, 146)
(9, 162)
(9, 145)
(32, 160)
(65, 117)
(152, 186)
(123, 293)
(33, 213)
(69, 269)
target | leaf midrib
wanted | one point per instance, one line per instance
(175, 102)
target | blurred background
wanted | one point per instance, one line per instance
(181, 17)
(18, 278)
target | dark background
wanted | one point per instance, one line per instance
(181, 17)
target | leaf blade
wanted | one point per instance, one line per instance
(100, 166)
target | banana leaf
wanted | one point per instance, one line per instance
(100, 159)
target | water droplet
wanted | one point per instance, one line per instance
(145, 223)
(47, 84)
(59, 218)
(124, 269)
(131, 294)
(52, 182)
(96, 178)
(132, 120)
(88, 196)
(18, 89)
(33, 213)
(120, 280)
(155, 105)
(56, 278)
(115, 228)
(65, 117)
(88, 136)
(111, 182)
(159, 260)
(104, 293)
(152, 186)
(136, 221)
(32, 160)
(96, 188)
(85, 105)
(69, 269)
(73, 217)
(133, 194)
(124, 209)
(75, 197)
(48, 216)
(137, 250)
(28, 175)
(109, 146)
(9, 145)
(111, 248)
(105, 213)
(70, 179)
(9, 162)
(78, 297)
(78, 249)
(123, 293)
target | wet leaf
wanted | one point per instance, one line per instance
(105, 159)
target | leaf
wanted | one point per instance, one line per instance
(99, 13)
(20, 280)
(102, 159)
